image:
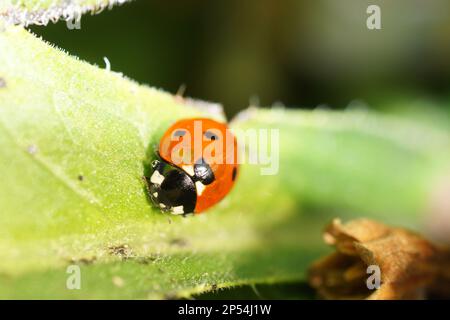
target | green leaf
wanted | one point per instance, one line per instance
(358, 162)
(41, 12)
(76, 141)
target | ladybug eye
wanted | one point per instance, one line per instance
(210, 135)
(179, 133)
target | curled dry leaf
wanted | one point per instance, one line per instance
(411, 266)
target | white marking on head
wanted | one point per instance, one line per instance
(155, 194)
(162, 205)
(200, 187)
(189, 170)
(157, 178)
(178, 210)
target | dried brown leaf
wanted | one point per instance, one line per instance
(411, 266)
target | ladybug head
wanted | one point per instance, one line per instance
(172, 189)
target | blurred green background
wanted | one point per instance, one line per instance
(299, 53)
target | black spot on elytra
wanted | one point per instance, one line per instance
(233, 175)
(209, 135)
(179, 133)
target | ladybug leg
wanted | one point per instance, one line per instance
(165, 210)
(146, 182)
(150, 189)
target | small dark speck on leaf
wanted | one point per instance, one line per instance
(180, 242)
(147, 259)
(32, 149)
(143, 260)
(123, 251)
(2, 83)
(81, 177)
(85, 261)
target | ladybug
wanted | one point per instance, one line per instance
(196, 166)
